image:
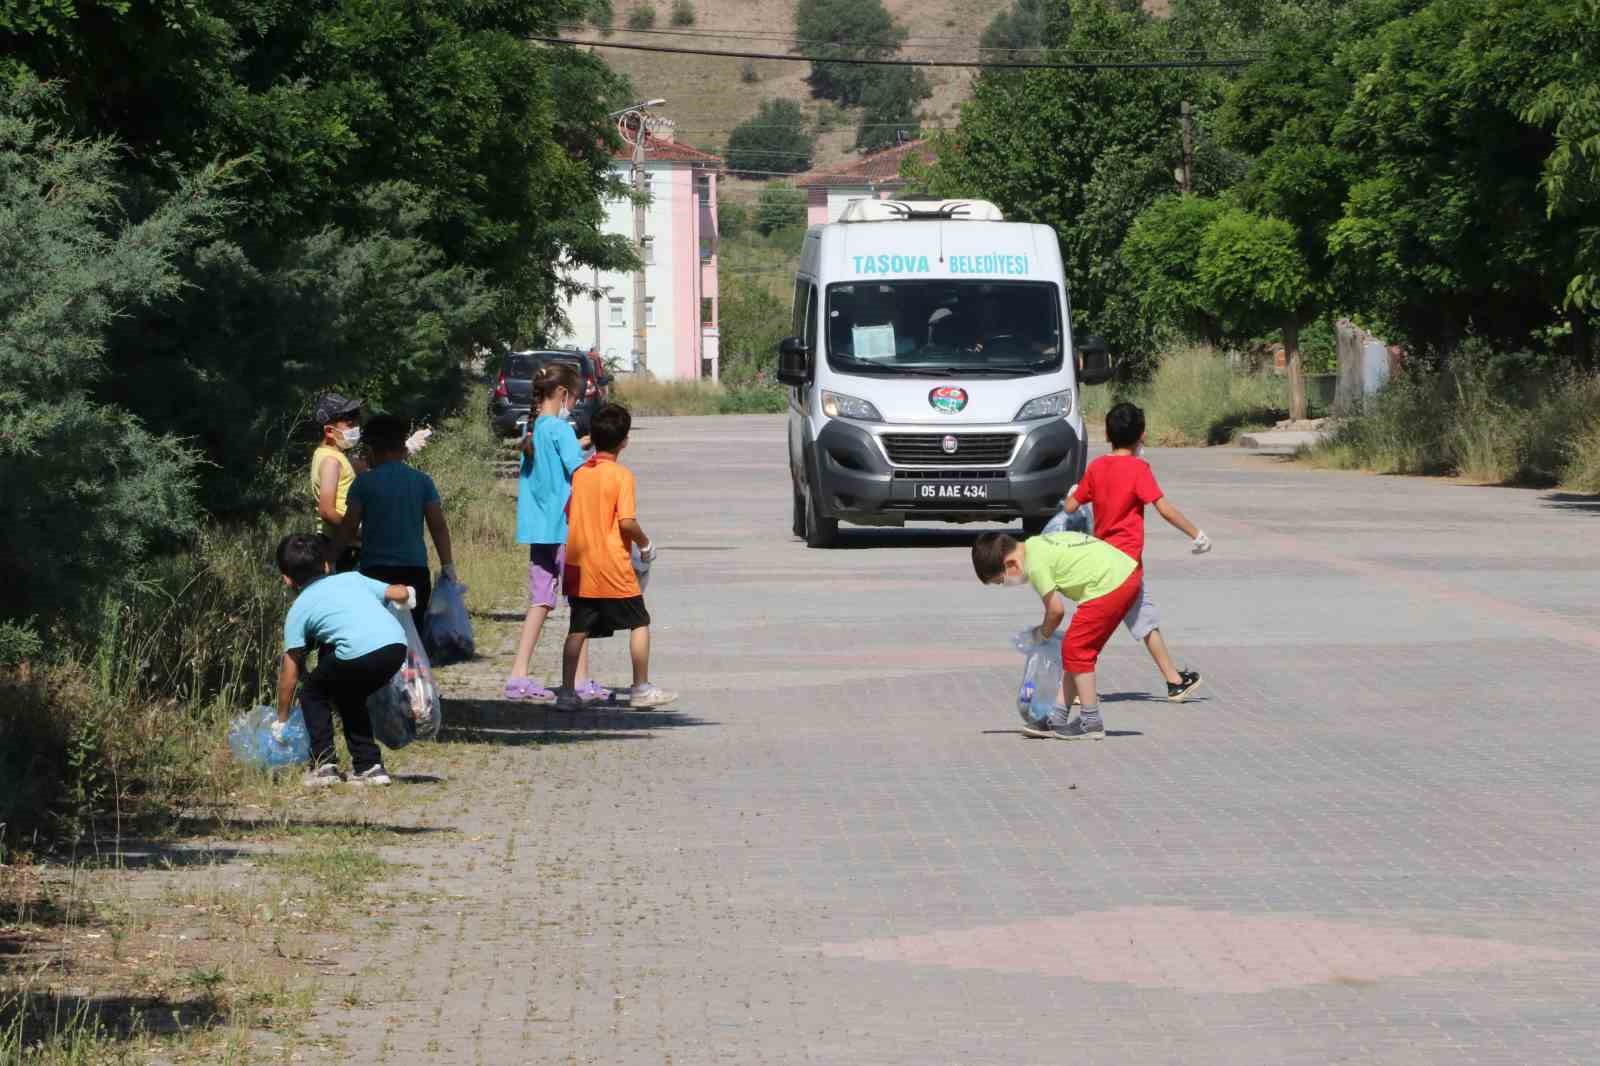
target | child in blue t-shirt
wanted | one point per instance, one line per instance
(359, 646)
(551, 453)
(390, 504)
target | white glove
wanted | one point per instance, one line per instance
(449, 573)
(411, 598)
(417, 440)
(647, 554)
(1202, 543)
(279, 727)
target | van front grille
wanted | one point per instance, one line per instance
(928, 449)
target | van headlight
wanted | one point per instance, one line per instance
(1055, 405)
(838, 405)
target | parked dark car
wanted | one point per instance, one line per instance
(513, 390)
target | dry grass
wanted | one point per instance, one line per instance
(707, 99)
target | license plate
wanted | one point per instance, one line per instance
(951, 491)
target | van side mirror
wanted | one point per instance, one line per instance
(1095, 365)
(794, 362)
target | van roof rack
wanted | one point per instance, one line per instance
(921, 210)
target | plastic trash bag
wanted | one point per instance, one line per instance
(1041, 677)
(449, 628)
(1079, 521)
(252, 743)
(407, 708)
(641, 569)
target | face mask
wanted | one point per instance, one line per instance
(1013, 580)
(349, 438)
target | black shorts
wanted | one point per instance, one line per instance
(603, 617)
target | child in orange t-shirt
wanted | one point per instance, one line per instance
(600, 582)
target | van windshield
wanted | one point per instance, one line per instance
(1001, 328)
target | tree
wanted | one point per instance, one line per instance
(1162, 251)
(889, 109)
(1252, 277)
(1026, 26)
(845, 29)
(752, 321)
(1083, 152)
(779, 207)
(1568, 105)
(1445, 234)
(775, 138)
(88, 491)
(425, 142)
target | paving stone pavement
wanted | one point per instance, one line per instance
(1370, 841)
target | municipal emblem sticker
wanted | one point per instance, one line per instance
(948, 399)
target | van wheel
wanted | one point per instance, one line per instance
(798, 522)
(1032, 527)
(820, 532)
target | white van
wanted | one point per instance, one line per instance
(932, 373)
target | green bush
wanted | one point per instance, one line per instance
(683, 12)
(1476, 418)
(642, 17)
(780, 207)
(733, 218)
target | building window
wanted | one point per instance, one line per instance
(649, 310)
(617, 318)
(708, 312)
(647, 251)
(705, 249)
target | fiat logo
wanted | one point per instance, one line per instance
(950, 444)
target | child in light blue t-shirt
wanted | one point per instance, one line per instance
(551, 453)
(359, 646)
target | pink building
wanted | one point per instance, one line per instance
(680, 256)
(872, 177)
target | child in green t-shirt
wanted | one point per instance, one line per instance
(1103, 582)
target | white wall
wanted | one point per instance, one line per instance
(616, 342)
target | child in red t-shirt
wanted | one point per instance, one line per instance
(1119, 486)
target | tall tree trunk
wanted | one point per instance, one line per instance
(1297, 372)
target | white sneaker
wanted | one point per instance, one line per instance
(323, 776)
(372, 775)
(647, 695)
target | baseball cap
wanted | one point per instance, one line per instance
(332, 405)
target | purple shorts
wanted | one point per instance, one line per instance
(545, 563)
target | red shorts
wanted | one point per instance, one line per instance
(1093, 623)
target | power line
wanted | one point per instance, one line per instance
(1143, 64)
(963, 40)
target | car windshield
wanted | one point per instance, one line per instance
(1004, 328)
(520, 366)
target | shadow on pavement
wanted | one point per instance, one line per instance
(852, 539)
(505, 721)
(1019, 733)
(34, 1018)
(1572, 501)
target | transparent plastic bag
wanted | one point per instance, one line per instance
(407, 708)
(251, 741)
(641, 569)
(449, 628)
(1041, 676)
(1079, 521)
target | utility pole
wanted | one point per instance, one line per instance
(634, 118)
(641, 340)
(1186, 182)
(598, 296)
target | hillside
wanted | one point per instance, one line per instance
(707, 98)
